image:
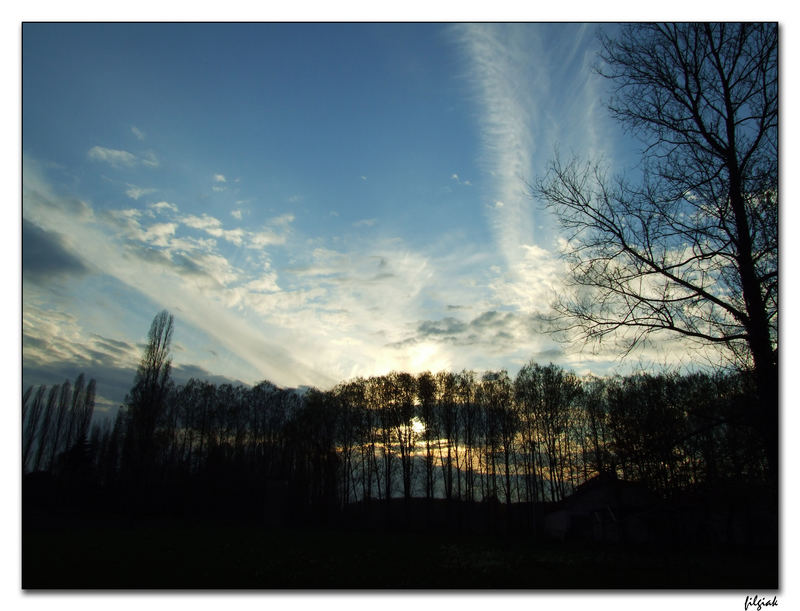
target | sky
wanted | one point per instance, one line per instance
(311, 201)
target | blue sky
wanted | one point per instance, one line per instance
(312, 202)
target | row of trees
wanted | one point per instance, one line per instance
(55, 423)
(459, 436)
(470, 437)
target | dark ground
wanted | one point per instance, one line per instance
(121, 553)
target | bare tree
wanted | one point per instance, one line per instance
(350, 397)
(368, 448)
(426, 390)
(692, 248)
(467, 429)
(403, 392)
(501, 425)
(594, 405)
(381, 396)
(446, 418)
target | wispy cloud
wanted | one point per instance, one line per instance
(158, 234)
(370, 305)
(122, 159)
(499, 60)
(137, 132)
(203, 222)
(283, 220)
(162, 206)
(152, 265)
(150, 159)
(135, 192)
(537, 93)
(114, 157)
(219, 183)
(213, 227)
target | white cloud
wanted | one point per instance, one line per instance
(274, 235)
(283, 220)
(135, 192)
(530, 105)
(137, 132)
(115, 158)
(267, 283)
(220, 181)
(237, 214)
(150, 160)
(532, 284)
(457, 178)
(342, 311)
(197, 294)
(234, 236)
(158, 234)
(365, 223)
(162, 206)
(203, 222)
(128, 222)
(238, 236)
(499, 61)
(259, 239)
(120, 158)
(213, 226)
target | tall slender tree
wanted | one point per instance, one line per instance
(146, 401)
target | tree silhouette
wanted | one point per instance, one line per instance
(692, 248)
(350, 400)
(595, 410)
(31, 421)
(447, 425)
(55, 425)
(426, 390)
(61, 410)
(535, 438)
(146, 401)
(403, 389)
